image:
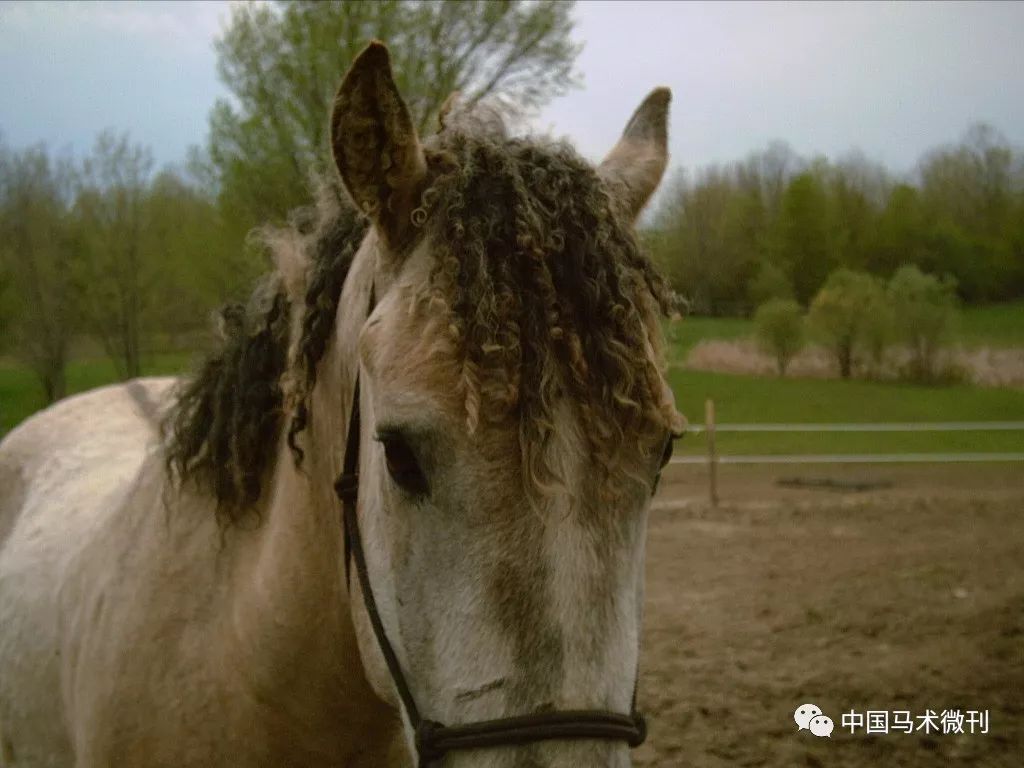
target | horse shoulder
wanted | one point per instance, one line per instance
(62, 474)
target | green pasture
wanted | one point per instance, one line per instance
(752, 400)
(995, 325)
(738, 399)
(21, 394)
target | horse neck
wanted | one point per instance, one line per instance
(293, 575)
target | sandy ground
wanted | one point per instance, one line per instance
(909, 598)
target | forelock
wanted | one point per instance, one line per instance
(549, 292)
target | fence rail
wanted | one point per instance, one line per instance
(853, 458)
(712, 458)
(910, 426)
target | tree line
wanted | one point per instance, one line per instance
(107, 247)
(103, 246)
(776, 225)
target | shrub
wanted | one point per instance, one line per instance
(842, 313)
(925, 311)
(779, 328)
(878, 330)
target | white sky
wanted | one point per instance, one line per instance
(893, 79)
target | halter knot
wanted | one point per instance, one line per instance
(426, 741)
(640, 722)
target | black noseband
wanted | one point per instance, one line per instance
(434, 740)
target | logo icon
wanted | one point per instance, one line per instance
(803, 715)
(809, 717)
(822, 725)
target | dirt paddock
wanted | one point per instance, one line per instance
(909, 598)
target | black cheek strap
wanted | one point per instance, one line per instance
(434, 740)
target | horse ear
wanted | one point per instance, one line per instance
(636, 164)
(375, 145)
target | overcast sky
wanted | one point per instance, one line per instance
(891, 79)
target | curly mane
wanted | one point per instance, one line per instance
(222, 431)
(549, 295)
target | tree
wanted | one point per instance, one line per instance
(878, 330)
(770, 282)
(194, 255)
(841, 312)
(116, 275)
(968, 191)
(779, 329)
(804, 244)
(856, 191)
(283, 62)
(924, 308)
(900, 234)
(774, 167)
(726, 233)
(6, 306)
(709, 238)
(36, 254)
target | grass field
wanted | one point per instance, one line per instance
(21, 394)
(997, 325)
(739, 399)
(748, 399)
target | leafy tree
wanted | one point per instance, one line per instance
(6, 306)
(841, 312)
(969, 193)
(710, 237)
(804, 244)
(779, 329)
(900, 233)
(770, 282)
(36, 255)
(878, 329)
(726, 233)
(116, 274)
(196, 256)
(283, 62)
(774, 168)
(924, 308)
(856, 190)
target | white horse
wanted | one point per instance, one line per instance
(178, 596)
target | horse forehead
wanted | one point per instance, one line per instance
(404, 346)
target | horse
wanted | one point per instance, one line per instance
(469, 325)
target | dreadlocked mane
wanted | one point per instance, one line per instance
(549, 295)
(222, 431)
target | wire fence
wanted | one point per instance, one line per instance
(920, 426)
(855, 458)
(712, 458)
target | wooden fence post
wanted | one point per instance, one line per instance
(709, 430)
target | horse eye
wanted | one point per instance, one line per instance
(402, 465)
(666, 455)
